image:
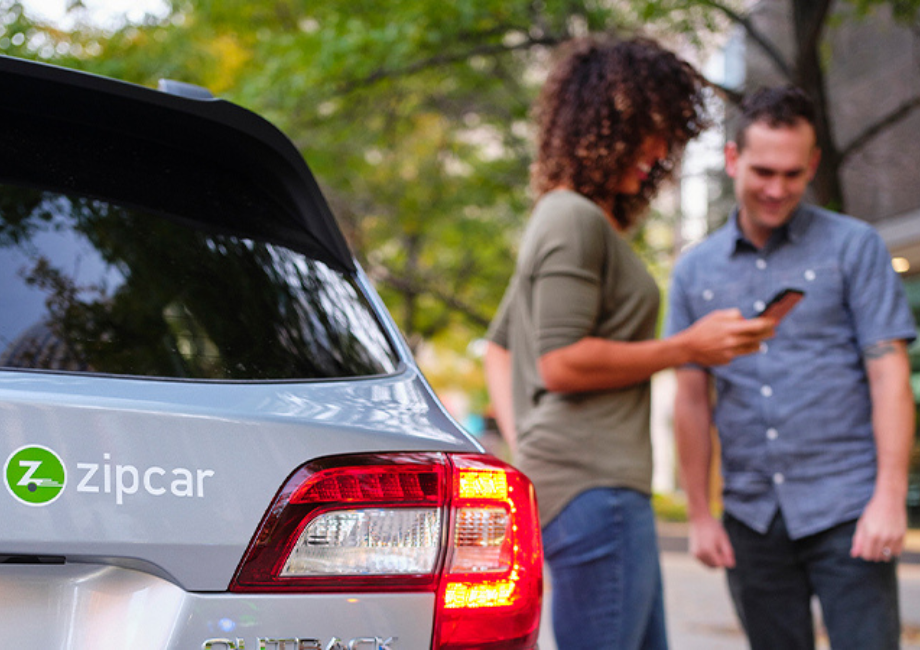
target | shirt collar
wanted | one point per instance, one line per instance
(791, 231)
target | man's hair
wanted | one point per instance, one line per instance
(600, 102)
(776, 107)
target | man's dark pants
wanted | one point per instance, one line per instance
(775, 577)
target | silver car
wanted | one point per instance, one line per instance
(213, 436)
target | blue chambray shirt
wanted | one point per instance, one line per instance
(794, 420)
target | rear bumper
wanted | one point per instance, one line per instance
(98, 607)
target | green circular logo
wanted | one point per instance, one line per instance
(35, 475)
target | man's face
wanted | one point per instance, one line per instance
(771, 174)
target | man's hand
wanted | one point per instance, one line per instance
(709, 543)
(722, 335)
(880, 530)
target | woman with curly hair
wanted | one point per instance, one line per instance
(572, 350)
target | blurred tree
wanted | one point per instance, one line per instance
(412, 115)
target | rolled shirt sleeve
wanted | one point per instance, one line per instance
(875, 294)
(566, 281)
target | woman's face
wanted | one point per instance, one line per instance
(653, 149)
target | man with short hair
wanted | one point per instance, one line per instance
(816, 430)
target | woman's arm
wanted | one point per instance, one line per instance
(497, 362)
(599, 364)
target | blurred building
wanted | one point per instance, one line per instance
(872, 70)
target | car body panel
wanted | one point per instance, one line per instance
(101, 607)
(228, 447)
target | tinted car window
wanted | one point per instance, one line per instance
(91, 286)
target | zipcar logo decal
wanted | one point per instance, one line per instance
(125, 480)
(36, 476)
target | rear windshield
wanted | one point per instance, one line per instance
(89, 286)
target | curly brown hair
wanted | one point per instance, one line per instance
(600, 102)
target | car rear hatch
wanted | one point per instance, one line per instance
(213, 435)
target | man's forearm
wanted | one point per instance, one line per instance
(692, 425)
(881, 528)
(893, 415)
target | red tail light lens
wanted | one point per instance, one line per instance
(352, 523)
(491, 592)
(463, 526)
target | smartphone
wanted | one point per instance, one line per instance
(781, 304)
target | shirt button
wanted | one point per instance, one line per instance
(764, 348)
(810, 275)
(761, 264)
(708, 295)
(778, 478)
(772, 434)
(759, 305)
(766, 391)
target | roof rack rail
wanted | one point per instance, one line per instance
(183, 89)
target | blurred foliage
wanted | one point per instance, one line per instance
(413, 116)
(669, 507)
(904, 10)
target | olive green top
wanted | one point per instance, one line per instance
(576, 277)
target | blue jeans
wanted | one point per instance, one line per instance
(602, 552)
(775, 578)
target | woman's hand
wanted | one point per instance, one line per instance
(722, 335)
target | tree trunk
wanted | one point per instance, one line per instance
(809, 18)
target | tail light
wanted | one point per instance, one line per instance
(491, 590)
(462, 526)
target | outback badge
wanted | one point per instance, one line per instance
(335, 643)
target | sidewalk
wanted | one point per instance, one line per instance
(700, 615)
